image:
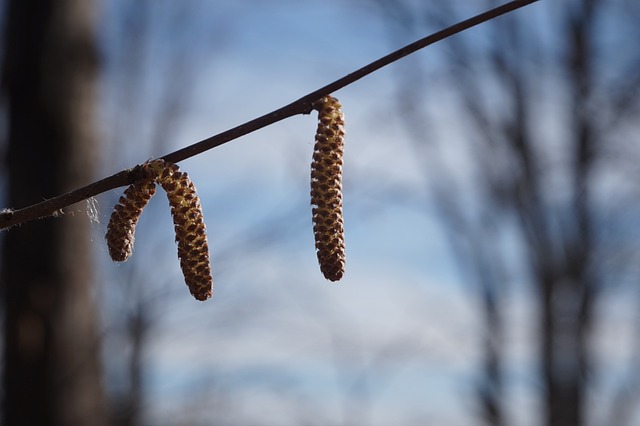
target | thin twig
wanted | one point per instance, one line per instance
(54, 205)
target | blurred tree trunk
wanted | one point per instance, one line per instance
(51, 362)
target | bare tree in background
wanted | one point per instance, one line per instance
(52, 373)
(543, 107)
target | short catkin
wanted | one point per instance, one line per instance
(190, 229)
(122, 224)
(326, 188)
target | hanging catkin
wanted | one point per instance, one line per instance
(188, 221)
(190, 229)
(326, 188)
(122, 224)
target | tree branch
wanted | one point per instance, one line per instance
(53, 206)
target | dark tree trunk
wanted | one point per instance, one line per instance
(51, 362)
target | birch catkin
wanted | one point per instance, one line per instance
(190, 229)
(188, 221)
(326, 188)
(122, 224)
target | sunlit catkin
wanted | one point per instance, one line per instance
(326, 188)
(122, 224)
(190, 229)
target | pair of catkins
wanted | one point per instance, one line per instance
(186, 211)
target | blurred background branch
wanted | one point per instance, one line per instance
(535, 141)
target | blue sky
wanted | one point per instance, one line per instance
(397, 340)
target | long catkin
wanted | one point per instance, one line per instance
(326, 188)
(189, 226)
